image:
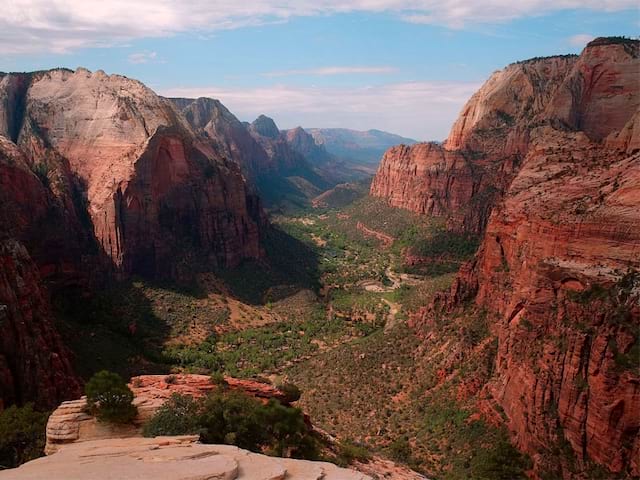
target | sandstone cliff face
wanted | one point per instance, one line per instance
(34, 365)
(551, 264)
(430, 180)
(100, 175)
(228, 135)
(558, 266)
(488, 142)
(147, 175)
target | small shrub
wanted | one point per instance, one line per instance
(170, 379)
(502, 462)
(349, 452)
(22, 435)
(109, 397)
(291, 392)
(400, 450)
(178, 416)
(236, 418)
(217, 378)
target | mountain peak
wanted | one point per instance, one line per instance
(265, 126)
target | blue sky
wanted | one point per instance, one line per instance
(406, 66)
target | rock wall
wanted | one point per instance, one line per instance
(558, 266)
(595, 93)
(99, 176)
(144, 172)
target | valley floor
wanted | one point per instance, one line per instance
(329, 310)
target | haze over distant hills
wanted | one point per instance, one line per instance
(366, 147)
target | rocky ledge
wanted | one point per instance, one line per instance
(70, 423)
(170, 458)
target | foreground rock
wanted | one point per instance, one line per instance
(70, 423)
(170, 458)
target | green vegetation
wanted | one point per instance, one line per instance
(236, 418)
(349, 452)
(42, 172)
(450, 244)
(22, 435)
(400, 450)
(499, 462)
(109, 397)
(178, 416)
(291, 392)
(255, 351)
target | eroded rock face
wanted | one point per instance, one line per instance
(34, 364)
(145, 173)
(596, 93)
(430, 180)
(558, 267)
(99, 175)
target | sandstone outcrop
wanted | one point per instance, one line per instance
(70, 423)
(170, 458)
(558, 267)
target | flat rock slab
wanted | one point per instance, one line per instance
(170, 458)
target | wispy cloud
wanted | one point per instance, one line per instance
(423, 110)
(581, 39)
(37, 26)
(142, 57)
(327, 71)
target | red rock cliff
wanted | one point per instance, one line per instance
(34, 365)
(157, 194)
(461, 179)
(98, 174)
(558, 266)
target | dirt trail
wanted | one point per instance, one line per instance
(397, 280)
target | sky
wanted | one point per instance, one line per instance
(404, 66)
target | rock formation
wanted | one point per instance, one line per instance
(155, 192)
(34, 365)
(558, 264)
(70, 423)
(99, 175)
(170, 458)
(228, 135)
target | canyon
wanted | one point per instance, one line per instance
(544, 162)
(479, 295)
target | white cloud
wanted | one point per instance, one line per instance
(37, 26)
(581, 39)
(422, 110)
(326, 71)
(142, 57)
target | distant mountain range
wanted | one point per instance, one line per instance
(360, 147)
